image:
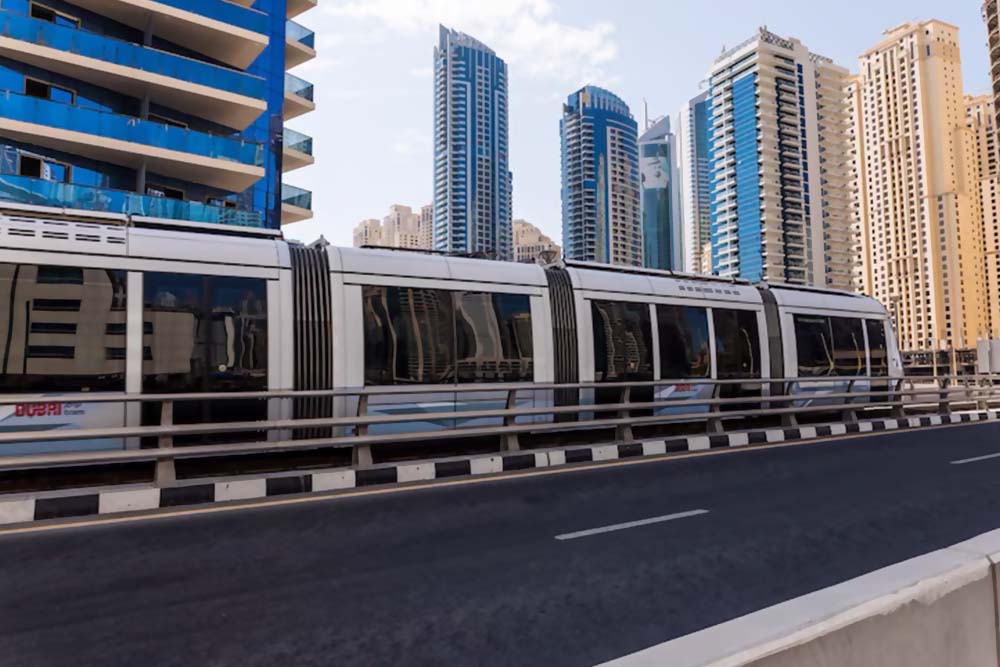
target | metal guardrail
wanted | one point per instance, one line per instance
(777, 399)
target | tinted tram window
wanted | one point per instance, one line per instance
(54, 328)
(848, 346)
(493, 337)
(622, 341)
(737, 343)
(409, 336)
(814, 340)
(684, 350)
(428, 336)
(877, 347)
(205, 333)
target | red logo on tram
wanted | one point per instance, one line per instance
(38, 410)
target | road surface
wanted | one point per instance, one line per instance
(560, 569)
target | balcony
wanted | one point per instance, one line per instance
(298, 97)
(223, 31)
(296, 7)
(296, 204)
(300, 44)
(228, 97)
(40, 192)
(297, 151)
(222, 162)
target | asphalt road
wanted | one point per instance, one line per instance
(474, 574)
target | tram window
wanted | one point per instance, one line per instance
(493, 337)
(209, 333)
(848, 346)
(409, 336)
(814, 341)
(737, 343)
(684, 350)
(53, 328)
(622, 341)
(877, 348)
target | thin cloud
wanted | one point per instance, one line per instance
(528, 34)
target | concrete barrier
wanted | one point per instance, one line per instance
(936, 610)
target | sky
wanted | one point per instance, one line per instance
(374, 80)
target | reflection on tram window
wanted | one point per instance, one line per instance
(55, 325)
(429, 336)
(684, 350)
(737, 343)
(622, 341)
(493, 337)
(204, 333)
(877, 347)
(409, 336)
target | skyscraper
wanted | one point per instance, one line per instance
(981, 119)
(992, 19)
(695, 183)
(472, 181)
(159, 109)
(600, 179)
(660, 198)
(922, 235)
(780, 193)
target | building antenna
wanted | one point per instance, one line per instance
(645, 114)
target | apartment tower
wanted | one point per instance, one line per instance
(780, 195)
(600, 179)
(167, 110)
(918, 217)
(695, 184)
(472, 181)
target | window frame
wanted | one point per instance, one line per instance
(55, 12)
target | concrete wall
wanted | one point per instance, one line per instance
(936, 610)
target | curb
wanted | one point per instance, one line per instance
(21, 510)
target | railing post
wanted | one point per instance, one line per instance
(897, 398)
(715, 411)
(850, 414)
(788, 418)
(624, 431)
(944, 395)
(166, 473)
(362, 453)
(509, 441)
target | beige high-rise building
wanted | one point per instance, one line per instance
(368, 232)
(981, 119)
(427, 226)
(917, 206)
(530, 243)
(992, 19)
(402, 228)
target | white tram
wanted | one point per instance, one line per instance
(105, 304)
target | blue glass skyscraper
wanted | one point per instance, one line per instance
(472, 180)
(600, 179)
(169, 109)
(661, 223)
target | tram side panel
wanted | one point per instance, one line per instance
(426, 325)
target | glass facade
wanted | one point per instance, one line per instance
(660, 178)
(600, 179)
(220, 94)
(472, 179)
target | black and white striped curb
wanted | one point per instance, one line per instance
(23, 509)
